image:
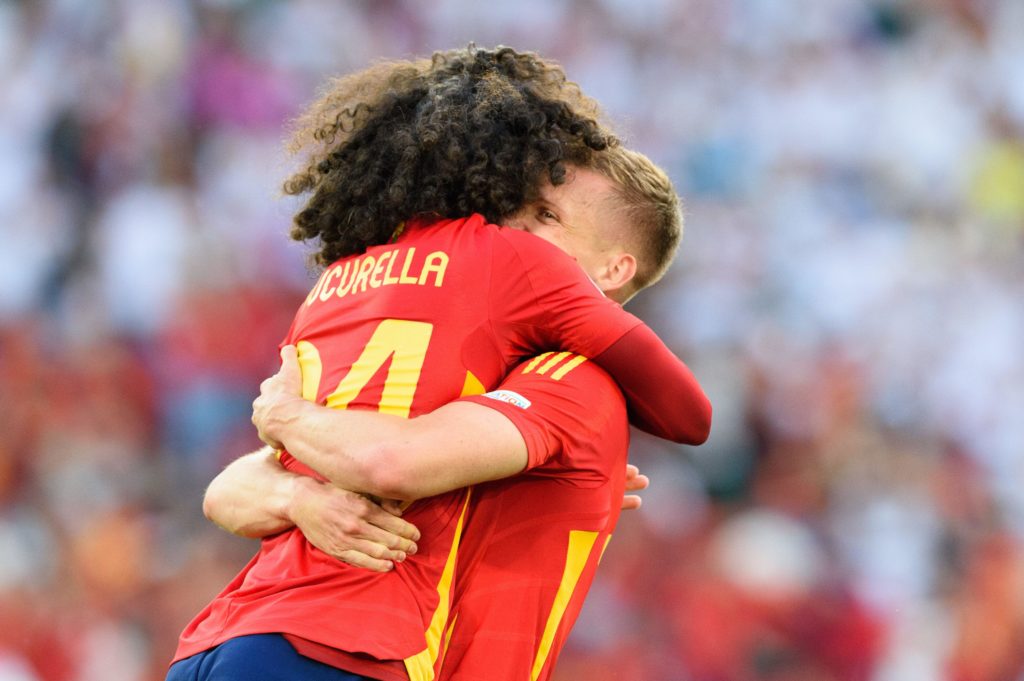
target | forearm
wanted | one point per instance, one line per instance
(343, 446)
(664, 396)
(256, 497)
(384, 455)
(396, 458)
(252, 496)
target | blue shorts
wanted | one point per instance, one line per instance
(260, 657)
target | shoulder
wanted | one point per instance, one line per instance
(476, 229)
(569, 370)
(513, 246)
(428, 228)
(565, 386)
(567, 409)
(577, 404)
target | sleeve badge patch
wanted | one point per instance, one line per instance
(509, 396)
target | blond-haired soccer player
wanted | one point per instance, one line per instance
(407, 317)
(557, 424)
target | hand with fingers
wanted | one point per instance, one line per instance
(276, 394)
(635, 481)
(351, 528)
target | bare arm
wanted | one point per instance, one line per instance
(256, 497)
(229, 499)
(459, 444)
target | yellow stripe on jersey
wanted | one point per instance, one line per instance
(472, 386)
(567, 367)
(447, 640)
(552, 362)
(578, 552)
(405, 343)
(604, 548)
(535, 361)
(420, 666)
(310, 367)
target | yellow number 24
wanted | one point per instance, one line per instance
(403, 341)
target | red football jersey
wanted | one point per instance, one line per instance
(532, 543)
(444, 311)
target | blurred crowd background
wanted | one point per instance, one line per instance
(850, 290)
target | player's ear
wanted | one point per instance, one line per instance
(616, 273)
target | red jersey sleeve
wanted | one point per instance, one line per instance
(561, 403)
(555, 305)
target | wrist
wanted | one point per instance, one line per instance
(299, 490)
(281, 419)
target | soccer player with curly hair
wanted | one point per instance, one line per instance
(423, 301)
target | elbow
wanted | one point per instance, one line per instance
(389, 474)
(212, 504)
(702, 423)
(696, 427)
(208, 506)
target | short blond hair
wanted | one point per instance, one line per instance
(650, 205)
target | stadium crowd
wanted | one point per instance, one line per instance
(849, 291)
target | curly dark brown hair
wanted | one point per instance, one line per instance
(467, 131)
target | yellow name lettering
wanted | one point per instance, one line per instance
(388, 279)
(347, 277)
(365, 268)
(326, 292)
(436, 263)
(356, 275)
(378, 269)
(404, 277)
(316, 290)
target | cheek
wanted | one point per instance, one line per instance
(557, 237)
(546, 233)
